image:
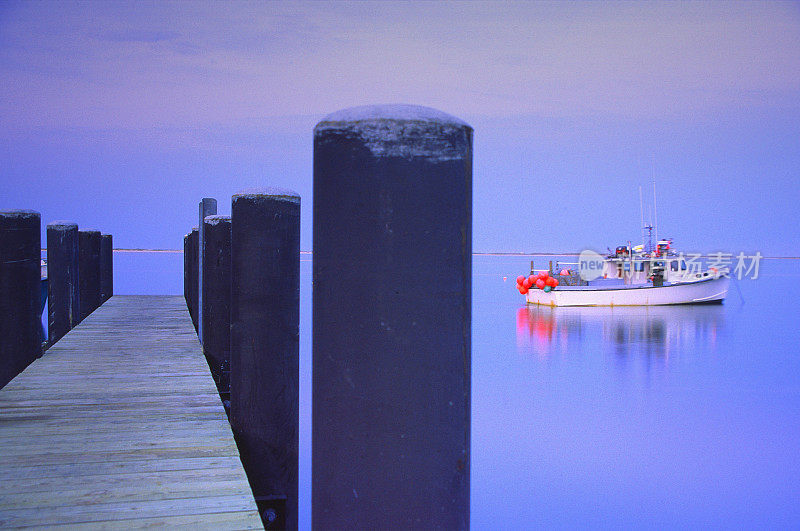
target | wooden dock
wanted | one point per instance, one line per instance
(119, 425)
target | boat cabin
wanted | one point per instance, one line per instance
(641, 269)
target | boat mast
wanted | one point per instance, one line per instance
(641, 215)
(629, 279)
(655, 211)
(647, 241)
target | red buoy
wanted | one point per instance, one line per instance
(540, 283)
(520, 279)
(526, 283)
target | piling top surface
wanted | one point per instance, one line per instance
(91, 231)
(19, 214)
(269, 192)
(405, 131)
(62, 225)
(217, 219)
(397, 113)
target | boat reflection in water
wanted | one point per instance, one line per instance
(660, 331)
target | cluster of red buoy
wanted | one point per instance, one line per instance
(542, 281)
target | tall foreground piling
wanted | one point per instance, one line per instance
(192, 275)
(217, 300)
(265, 315)
(207, 207)
(391, 339)
(106, 267)
(63, 305)
(20, 292)
(88, 271)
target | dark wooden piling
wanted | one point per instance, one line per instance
(20, 292)
(217, 301)
(186, 280)
(207, 207)
(106, 267)
(62, 279)
(391, 335)
(265, 297)
(88, 271)
(192, 273)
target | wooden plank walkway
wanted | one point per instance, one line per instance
(119, 425)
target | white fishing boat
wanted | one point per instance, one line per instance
(631, 279)
(645, 275)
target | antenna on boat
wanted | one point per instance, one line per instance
(647, 241)
(655, 210)
(641, 214)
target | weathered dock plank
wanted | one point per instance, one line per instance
(119, 425)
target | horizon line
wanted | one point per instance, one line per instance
(479, 253)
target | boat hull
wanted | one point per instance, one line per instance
(712, 290)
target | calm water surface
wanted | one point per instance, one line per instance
(668, 416)
(654, 417)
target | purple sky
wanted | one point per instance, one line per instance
(121, 115)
